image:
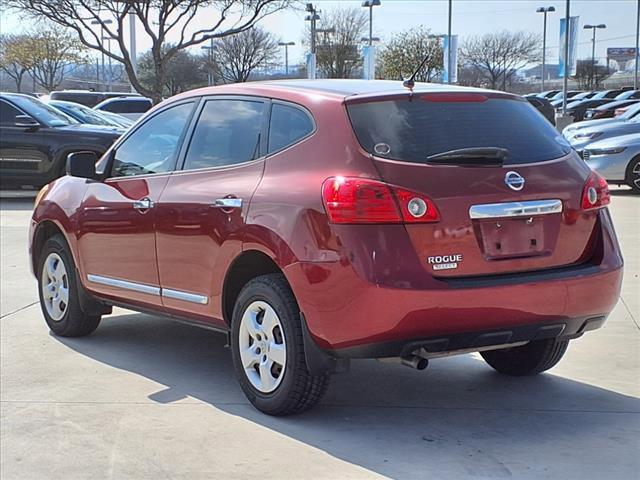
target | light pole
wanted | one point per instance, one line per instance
(544, 10)
(313, 17)
(108, 40)
(449, 73)
(370, 4)
(635, 74)
(593, 51)
(567, 67)
(102, 23)
(286, 46)
(210, 75)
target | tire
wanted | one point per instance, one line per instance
(276, 382)
(530, 359)
(57, 285)
(632, 175)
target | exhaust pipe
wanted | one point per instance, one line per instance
(414, 361)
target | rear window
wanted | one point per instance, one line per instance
(413, 130)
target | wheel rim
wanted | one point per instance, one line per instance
(55, 287)
(263, 350)
(635, 173)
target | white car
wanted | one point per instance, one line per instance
(617, 159)
(130, 107)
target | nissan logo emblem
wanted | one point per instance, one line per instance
(514, 181)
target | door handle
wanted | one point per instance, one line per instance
(143, 204)
(227, 203)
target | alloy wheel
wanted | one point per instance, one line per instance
(262, 346)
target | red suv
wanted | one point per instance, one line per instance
(319, 221)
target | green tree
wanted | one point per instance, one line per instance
(53, 55)
(406, 50)
(15, 57)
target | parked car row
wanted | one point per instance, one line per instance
(610, 146)
(590, 105)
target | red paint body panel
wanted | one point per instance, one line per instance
(197, 243)
(355, 284)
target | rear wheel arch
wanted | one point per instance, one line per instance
(247, 266)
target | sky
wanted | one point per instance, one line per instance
(470, 17)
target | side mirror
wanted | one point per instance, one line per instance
(82, 165)
(26, 121)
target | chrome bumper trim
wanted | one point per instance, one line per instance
(515, 209)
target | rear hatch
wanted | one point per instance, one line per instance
(485, 225)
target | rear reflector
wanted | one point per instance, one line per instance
(595, 193)
(360, 200)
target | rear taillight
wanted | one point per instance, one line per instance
(360, 200)
(595, 193)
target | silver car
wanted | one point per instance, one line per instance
(617, 159)
(579, 139)
(631, 112)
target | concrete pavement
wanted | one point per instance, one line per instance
(145, 398)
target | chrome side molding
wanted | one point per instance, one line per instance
(515, 209)
(185, 296)
(133, 286)
(148, 289)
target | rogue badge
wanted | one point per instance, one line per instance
(445, 262)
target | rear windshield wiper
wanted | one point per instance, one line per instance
(471, 156)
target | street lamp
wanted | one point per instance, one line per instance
(370, 4)
(108, 40)
(313, 17)
(593, 50)
(210, 48)
(102, 23)
(544, 10)
(286, 46)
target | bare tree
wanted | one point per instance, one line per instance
(498, 56)
(406, 50)
(184, 72)
(15, 57)
(237, 56)
(160, 20)
(337, 43)
(589, 75)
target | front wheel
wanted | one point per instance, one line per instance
(530, 359)
(632, 176)
(59, 295)
(268, 350)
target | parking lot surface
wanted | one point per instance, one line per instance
(145, 398)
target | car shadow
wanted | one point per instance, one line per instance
(389, 419)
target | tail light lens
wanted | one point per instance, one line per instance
(360, 200)
(595, 193)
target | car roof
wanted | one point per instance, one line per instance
(124, 99)
(340, 88)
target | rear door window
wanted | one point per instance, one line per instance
(413, 130)
(288, 125)
(227, 133)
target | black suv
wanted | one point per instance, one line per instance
(35, 140)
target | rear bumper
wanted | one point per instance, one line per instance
(353, 317)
